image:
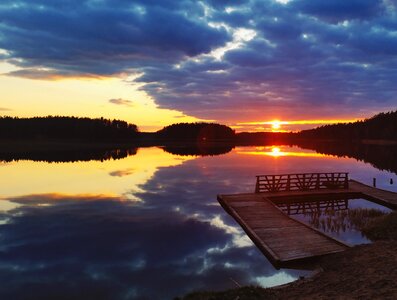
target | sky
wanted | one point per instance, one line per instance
(244, 63)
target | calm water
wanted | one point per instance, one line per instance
(340, 218)
(147, 226)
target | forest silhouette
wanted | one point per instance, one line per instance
(66, 128)
(382, 126)
(56, 138)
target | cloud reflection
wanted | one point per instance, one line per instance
(63, 245)
(177, 238)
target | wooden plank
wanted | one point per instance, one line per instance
(380, 196)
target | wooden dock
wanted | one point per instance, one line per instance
(380, 196)
(285, 240)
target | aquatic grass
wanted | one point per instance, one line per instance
(382, 228)
(337, 221)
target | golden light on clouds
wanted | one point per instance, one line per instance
(84, 98)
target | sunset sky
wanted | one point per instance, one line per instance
(250, 64)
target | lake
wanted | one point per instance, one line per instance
(146, 226)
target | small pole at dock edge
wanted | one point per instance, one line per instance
(374, 182)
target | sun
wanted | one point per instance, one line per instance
(276, 124)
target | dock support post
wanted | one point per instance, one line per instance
(288, 182)
(374, 182)
(257, 185)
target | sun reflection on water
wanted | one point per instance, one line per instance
(278, 151)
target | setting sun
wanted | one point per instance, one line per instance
(276, 124)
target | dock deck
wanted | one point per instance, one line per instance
(285, 240)
(380, 196)
(281, 238)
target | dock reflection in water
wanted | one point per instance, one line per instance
(340, 218)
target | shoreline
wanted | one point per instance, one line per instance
(362, 272)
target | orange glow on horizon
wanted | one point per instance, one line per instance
(301, 122)
(280, 126)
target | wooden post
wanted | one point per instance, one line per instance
(374, 182)
(318, 181)
(288, 182)
(346, 180)
(274, 183)
(257, 185)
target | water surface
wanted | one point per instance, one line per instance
(146, 226)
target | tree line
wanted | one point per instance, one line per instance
(198, 132)
(382, 126)
(66, 128)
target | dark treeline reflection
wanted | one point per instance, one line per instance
(86, 154)
(67, 155)
(199, 150)
(383, 157)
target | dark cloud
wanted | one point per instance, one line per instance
(46, 74)
(325, 58)
(120, 101)
(340, 10)
(105, 38)
(296, 66)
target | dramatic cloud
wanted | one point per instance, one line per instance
(105, 37)
(223, 60)
(340, 10)
(47, 74)
(120, 101)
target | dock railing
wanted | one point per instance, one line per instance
(301, 182)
